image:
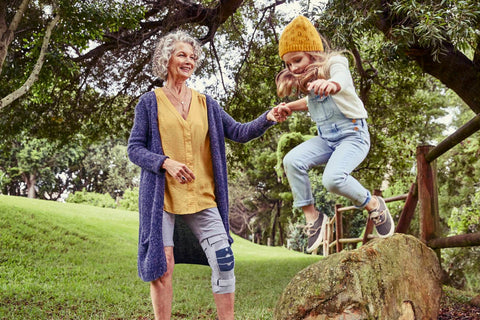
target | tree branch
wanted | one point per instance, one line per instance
(212, 46)
(450, 66)
(7, 33)
(36, 69)
(182, 12)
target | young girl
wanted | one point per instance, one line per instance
(343, 140)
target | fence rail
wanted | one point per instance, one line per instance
(424, 191)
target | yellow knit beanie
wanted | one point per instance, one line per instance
(299, 35)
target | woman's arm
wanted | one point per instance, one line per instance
(220, 120)
(140, 140)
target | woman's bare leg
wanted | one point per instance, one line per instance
(225, 305)
(161, 290)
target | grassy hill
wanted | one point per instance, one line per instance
(70, 261)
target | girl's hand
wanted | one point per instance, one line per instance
(283, 110)
(273, 115)
(323, 87)
(279, 114)
(178, 170)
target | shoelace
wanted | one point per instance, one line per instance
(309, 230)
(379, 217)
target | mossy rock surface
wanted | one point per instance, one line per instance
(394, 278)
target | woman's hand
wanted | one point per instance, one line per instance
(323, 87)
(178, 170)
(278, 114)
(283, 110)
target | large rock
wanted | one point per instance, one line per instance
(398, 278)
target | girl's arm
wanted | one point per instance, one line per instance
(286, 109)
(324, 87)
(340, 78)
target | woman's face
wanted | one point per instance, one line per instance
(297, 61)
(182, 62)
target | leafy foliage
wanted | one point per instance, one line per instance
(462, 264)
(129, 200)
(92, 199)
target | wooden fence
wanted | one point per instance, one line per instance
(424, 191)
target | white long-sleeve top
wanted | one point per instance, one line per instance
(346, 99)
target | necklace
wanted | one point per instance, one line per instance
(177, 97)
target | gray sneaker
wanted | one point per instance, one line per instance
(316, 232)
(382, 219)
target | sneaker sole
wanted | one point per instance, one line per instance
(320, 238)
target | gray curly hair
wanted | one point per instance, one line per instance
(165, 48)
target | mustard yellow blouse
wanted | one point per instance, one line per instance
(187, 141)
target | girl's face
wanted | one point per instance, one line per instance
(182, 62)
(297, 61)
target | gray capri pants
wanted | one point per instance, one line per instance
(208, 227)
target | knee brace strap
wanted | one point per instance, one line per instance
(221, 260)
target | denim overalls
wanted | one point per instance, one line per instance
(342, 144)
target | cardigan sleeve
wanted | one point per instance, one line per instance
(141, 148)
(244, 132)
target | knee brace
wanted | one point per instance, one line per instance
(221, 260)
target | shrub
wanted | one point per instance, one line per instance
(129, 200)
(92, 198)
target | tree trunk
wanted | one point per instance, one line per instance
(31, 181)
(274, 225)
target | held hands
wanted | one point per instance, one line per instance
(178, 170)
(279, 113)
(323, 87)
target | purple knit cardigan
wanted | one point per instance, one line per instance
(145, 150)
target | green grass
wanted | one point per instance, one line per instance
(70, 261)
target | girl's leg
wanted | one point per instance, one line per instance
(296, 163)
(336, 178)
(348, 154)
(311, 213)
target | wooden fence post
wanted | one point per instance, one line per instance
(427, 194)
(408, 210)
(338, 227)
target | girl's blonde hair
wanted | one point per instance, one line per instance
(291, 84)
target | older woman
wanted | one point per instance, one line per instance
(178, 141)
